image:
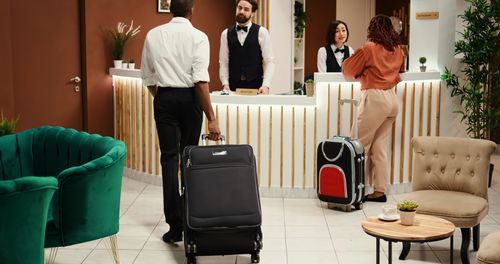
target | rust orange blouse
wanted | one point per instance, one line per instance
(374, 66)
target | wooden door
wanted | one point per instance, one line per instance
(46, 55)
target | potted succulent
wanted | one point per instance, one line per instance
(131, 64)
(309, 87)
(407, 210)
(7, 126)
(422, 61)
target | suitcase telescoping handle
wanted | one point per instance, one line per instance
(204, 139)
(356, 104)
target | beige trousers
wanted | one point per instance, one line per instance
(377, 112)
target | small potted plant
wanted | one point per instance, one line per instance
(7, 126)
(131, 64)
(422, 61)
(124, 64)
(407, 210)
(309, 87)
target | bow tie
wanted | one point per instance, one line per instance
(244, 28)
(339, 50)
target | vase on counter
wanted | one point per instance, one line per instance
(118, 64)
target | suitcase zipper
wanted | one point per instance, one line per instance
(213, 166)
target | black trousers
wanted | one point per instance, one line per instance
(178, 118)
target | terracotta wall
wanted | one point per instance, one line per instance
(99, 15)
(6, 82)
(208, 17)
(319, 15)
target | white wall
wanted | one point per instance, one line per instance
(281, 32)
(435, 40)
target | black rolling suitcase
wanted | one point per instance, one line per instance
(340, 171)
(222, 213)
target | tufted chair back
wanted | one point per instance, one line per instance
(452, 164)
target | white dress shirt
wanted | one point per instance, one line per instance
(338, 55)
(175, 54)
(265, 46)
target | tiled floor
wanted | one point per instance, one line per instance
(295, 231)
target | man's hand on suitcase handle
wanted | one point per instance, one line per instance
(214, 130)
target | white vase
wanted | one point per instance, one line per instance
(131, 66)
(118, 64)
(407, 217)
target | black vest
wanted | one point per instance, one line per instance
(331, 62)
(245, 62)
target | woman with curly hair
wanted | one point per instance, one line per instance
(377, 65)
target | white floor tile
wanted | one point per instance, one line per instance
(316, 257)
(100, 256)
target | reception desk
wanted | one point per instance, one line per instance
(284, 130)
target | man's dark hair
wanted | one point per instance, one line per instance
(181, 8)
(332, 28)
(254, 4)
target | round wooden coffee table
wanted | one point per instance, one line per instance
(425, 229)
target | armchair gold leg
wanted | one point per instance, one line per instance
(51, 259)
(112, 244)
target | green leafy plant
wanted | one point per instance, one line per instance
(300, 19)
(120, 38)
(309, 81)
(422, 60)
(477, 87)
(298, 88)
(7, 126)
(407, 205)
(131, 61)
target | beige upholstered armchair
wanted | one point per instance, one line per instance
(450, 180)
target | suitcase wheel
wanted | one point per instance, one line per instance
(255, 258)
(191, 260)
(358, 206)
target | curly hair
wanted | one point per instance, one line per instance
(382, 32)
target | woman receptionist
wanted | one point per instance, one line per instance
(331, 56)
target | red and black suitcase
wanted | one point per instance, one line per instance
(340, 170)
(222, 212)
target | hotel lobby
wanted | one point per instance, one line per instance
(60, 71)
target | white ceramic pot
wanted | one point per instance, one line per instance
(118, 64)
(407, 217)
(131, 66)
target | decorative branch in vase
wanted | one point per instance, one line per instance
(120, 38)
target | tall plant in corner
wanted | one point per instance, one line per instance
(476, 87)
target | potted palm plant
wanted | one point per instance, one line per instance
(407, 211)
(477, 85)
(7, 126)
(120, 38)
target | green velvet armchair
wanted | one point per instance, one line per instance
(89, 169)
(24, 204)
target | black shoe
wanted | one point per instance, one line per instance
(381, 199)
(172, 236)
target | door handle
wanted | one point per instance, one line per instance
(76, 79)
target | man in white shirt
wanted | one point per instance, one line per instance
(246, 57)
(174, 67)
